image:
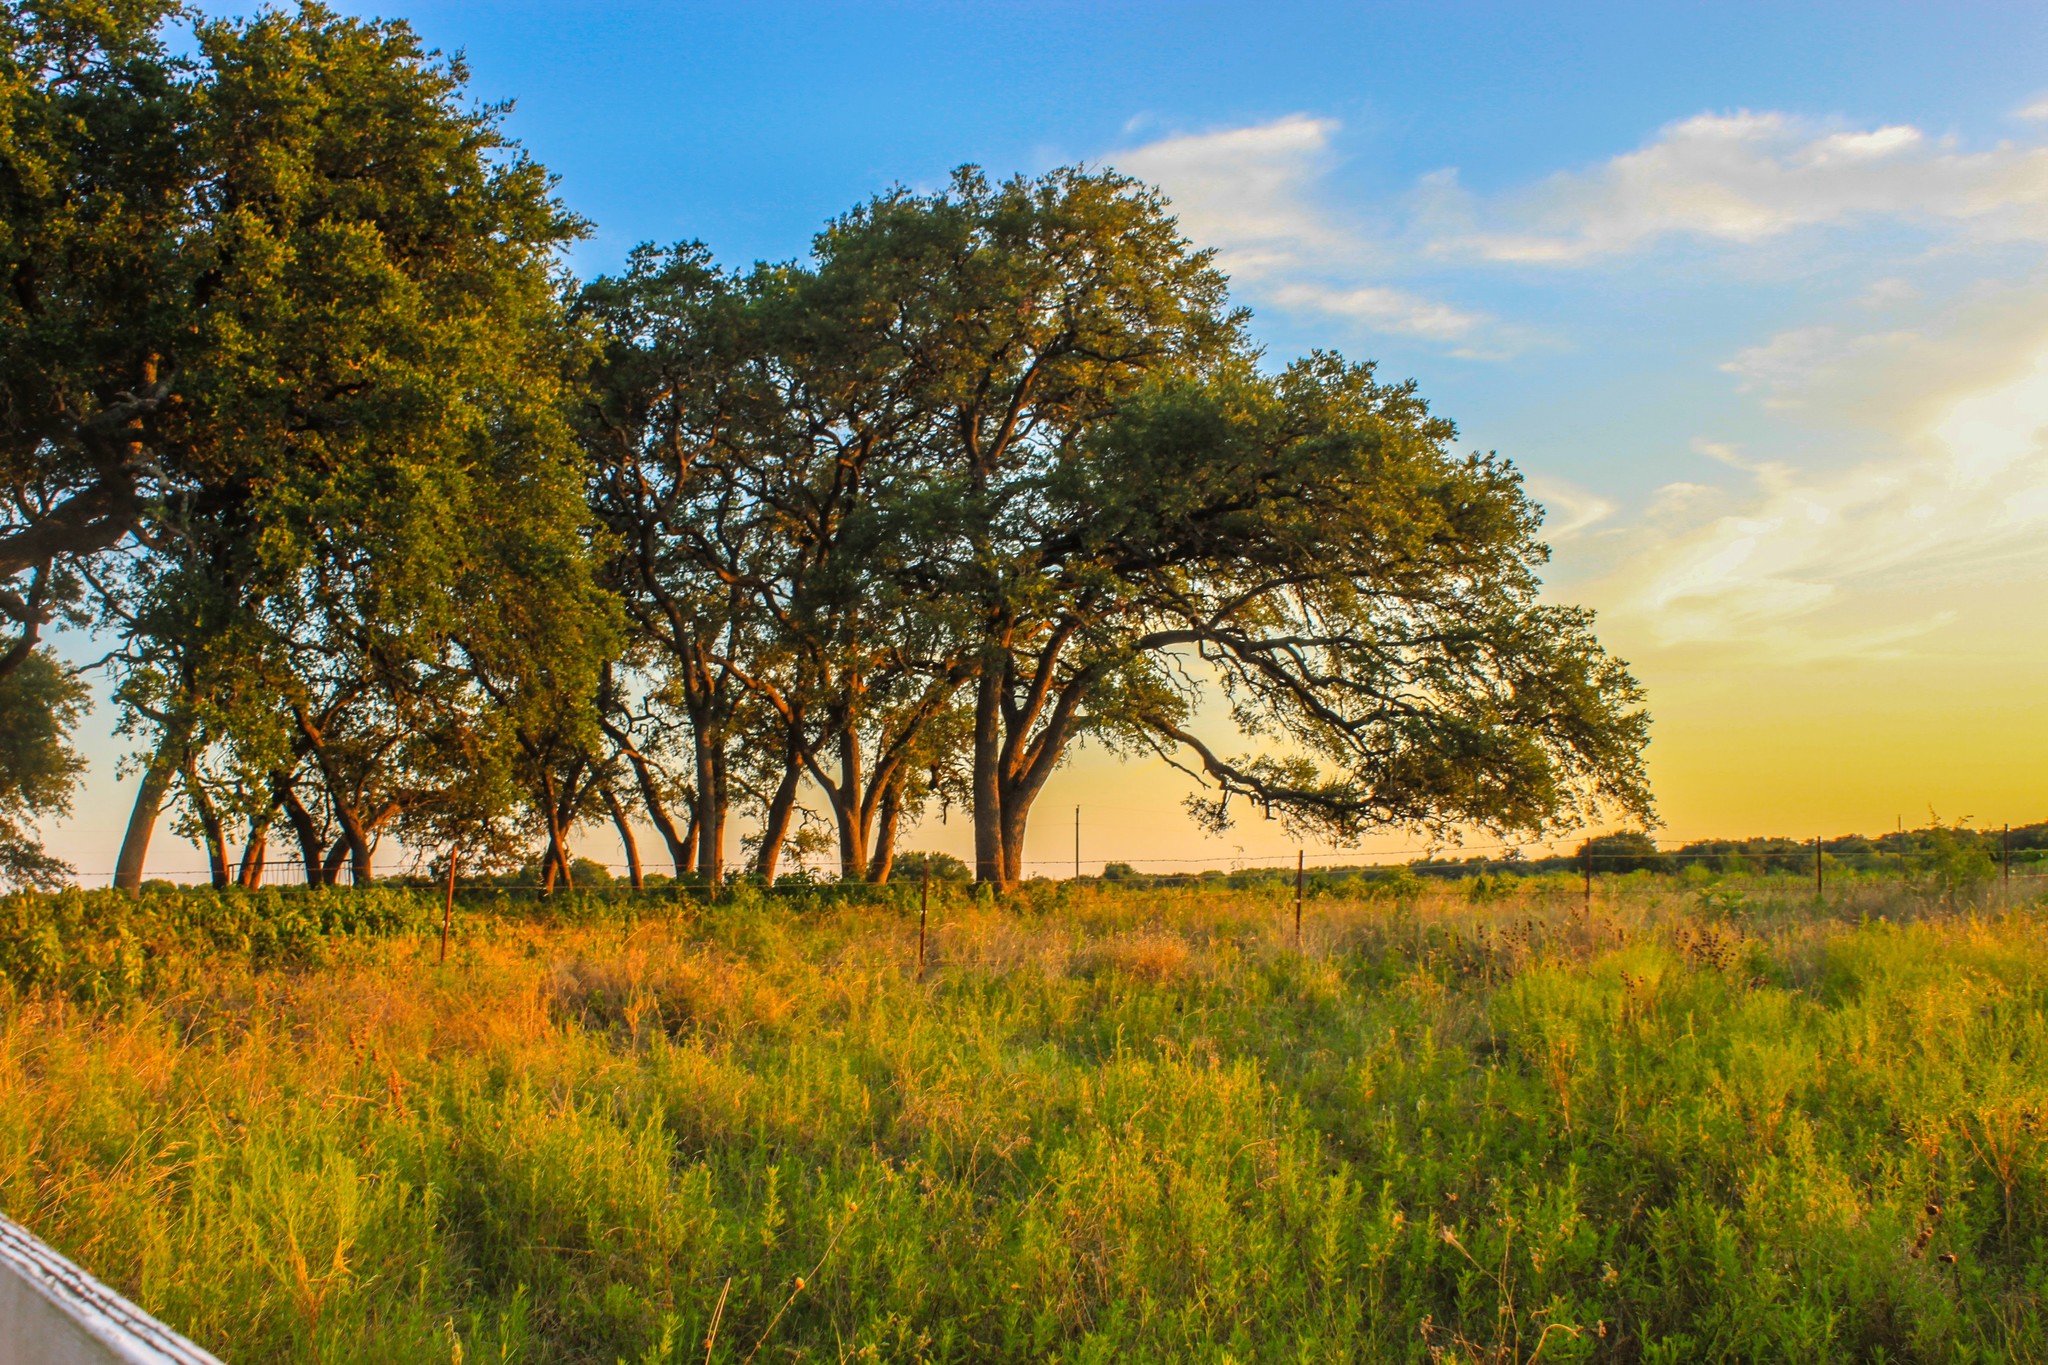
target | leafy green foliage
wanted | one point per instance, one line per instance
(942, 867)
(97, 183)
(40, 702)
(101, 945)
(286, 333)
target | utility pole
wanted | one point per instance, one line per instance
(1586, 866)
(1818, 885)
(2005, 858)
(1077, 843)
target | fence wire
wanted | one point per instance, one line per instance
(1808, 857)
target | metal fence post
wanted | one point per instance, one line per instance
(448, 905)
(924, 906)
(1300, 872)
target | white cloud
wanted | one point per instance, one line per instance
(1746, 177)
(1250, 193)
(1244, 190)
(2037, 110)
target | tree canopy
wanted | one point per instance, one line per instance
(995, 470)
(399, 532)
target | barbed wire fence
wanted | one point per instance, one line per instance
(1884, 855)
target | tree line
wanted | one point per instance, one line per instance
(395, 530)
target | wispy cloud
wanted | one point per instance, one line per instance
(1908, 474)
(1570, 510)
(1960, 505)
(1252, 194)
(1386, 310)
(1744, 178)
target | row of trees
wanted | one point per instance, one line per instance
(399, 531)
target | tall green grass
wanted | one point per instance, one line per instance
(1472, 1123)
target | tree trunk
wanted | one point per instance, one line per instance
(682, 848)
(853, 847)
(330, 869)
(711, 807)
(555, 860)
(209, 822)
(354, 837)
(988, 785)
(1016, 815)
(353, 832)
(253, 852)
(775, 822)
(149, 804)
(626, 839)
(303, 828)
(885, 833)
(688, 867)
(1017, 745)
(846, 805)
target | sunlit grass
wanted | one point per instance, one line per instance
(1112, 1125)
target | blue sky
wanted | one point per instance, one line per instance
(1753, 293)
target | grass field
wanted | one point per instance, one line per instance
(1704, 1121)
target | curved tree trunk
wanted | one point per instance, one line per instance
(885, 833)
(209, 822)
(775, 821)
(253, 852)
(355, 836)
(303, 828)
(682, 848)
(149, 805)
(624, 825)
(330, 870)
(688, 867)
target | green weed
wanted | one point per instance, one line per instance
(1114, 1124)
